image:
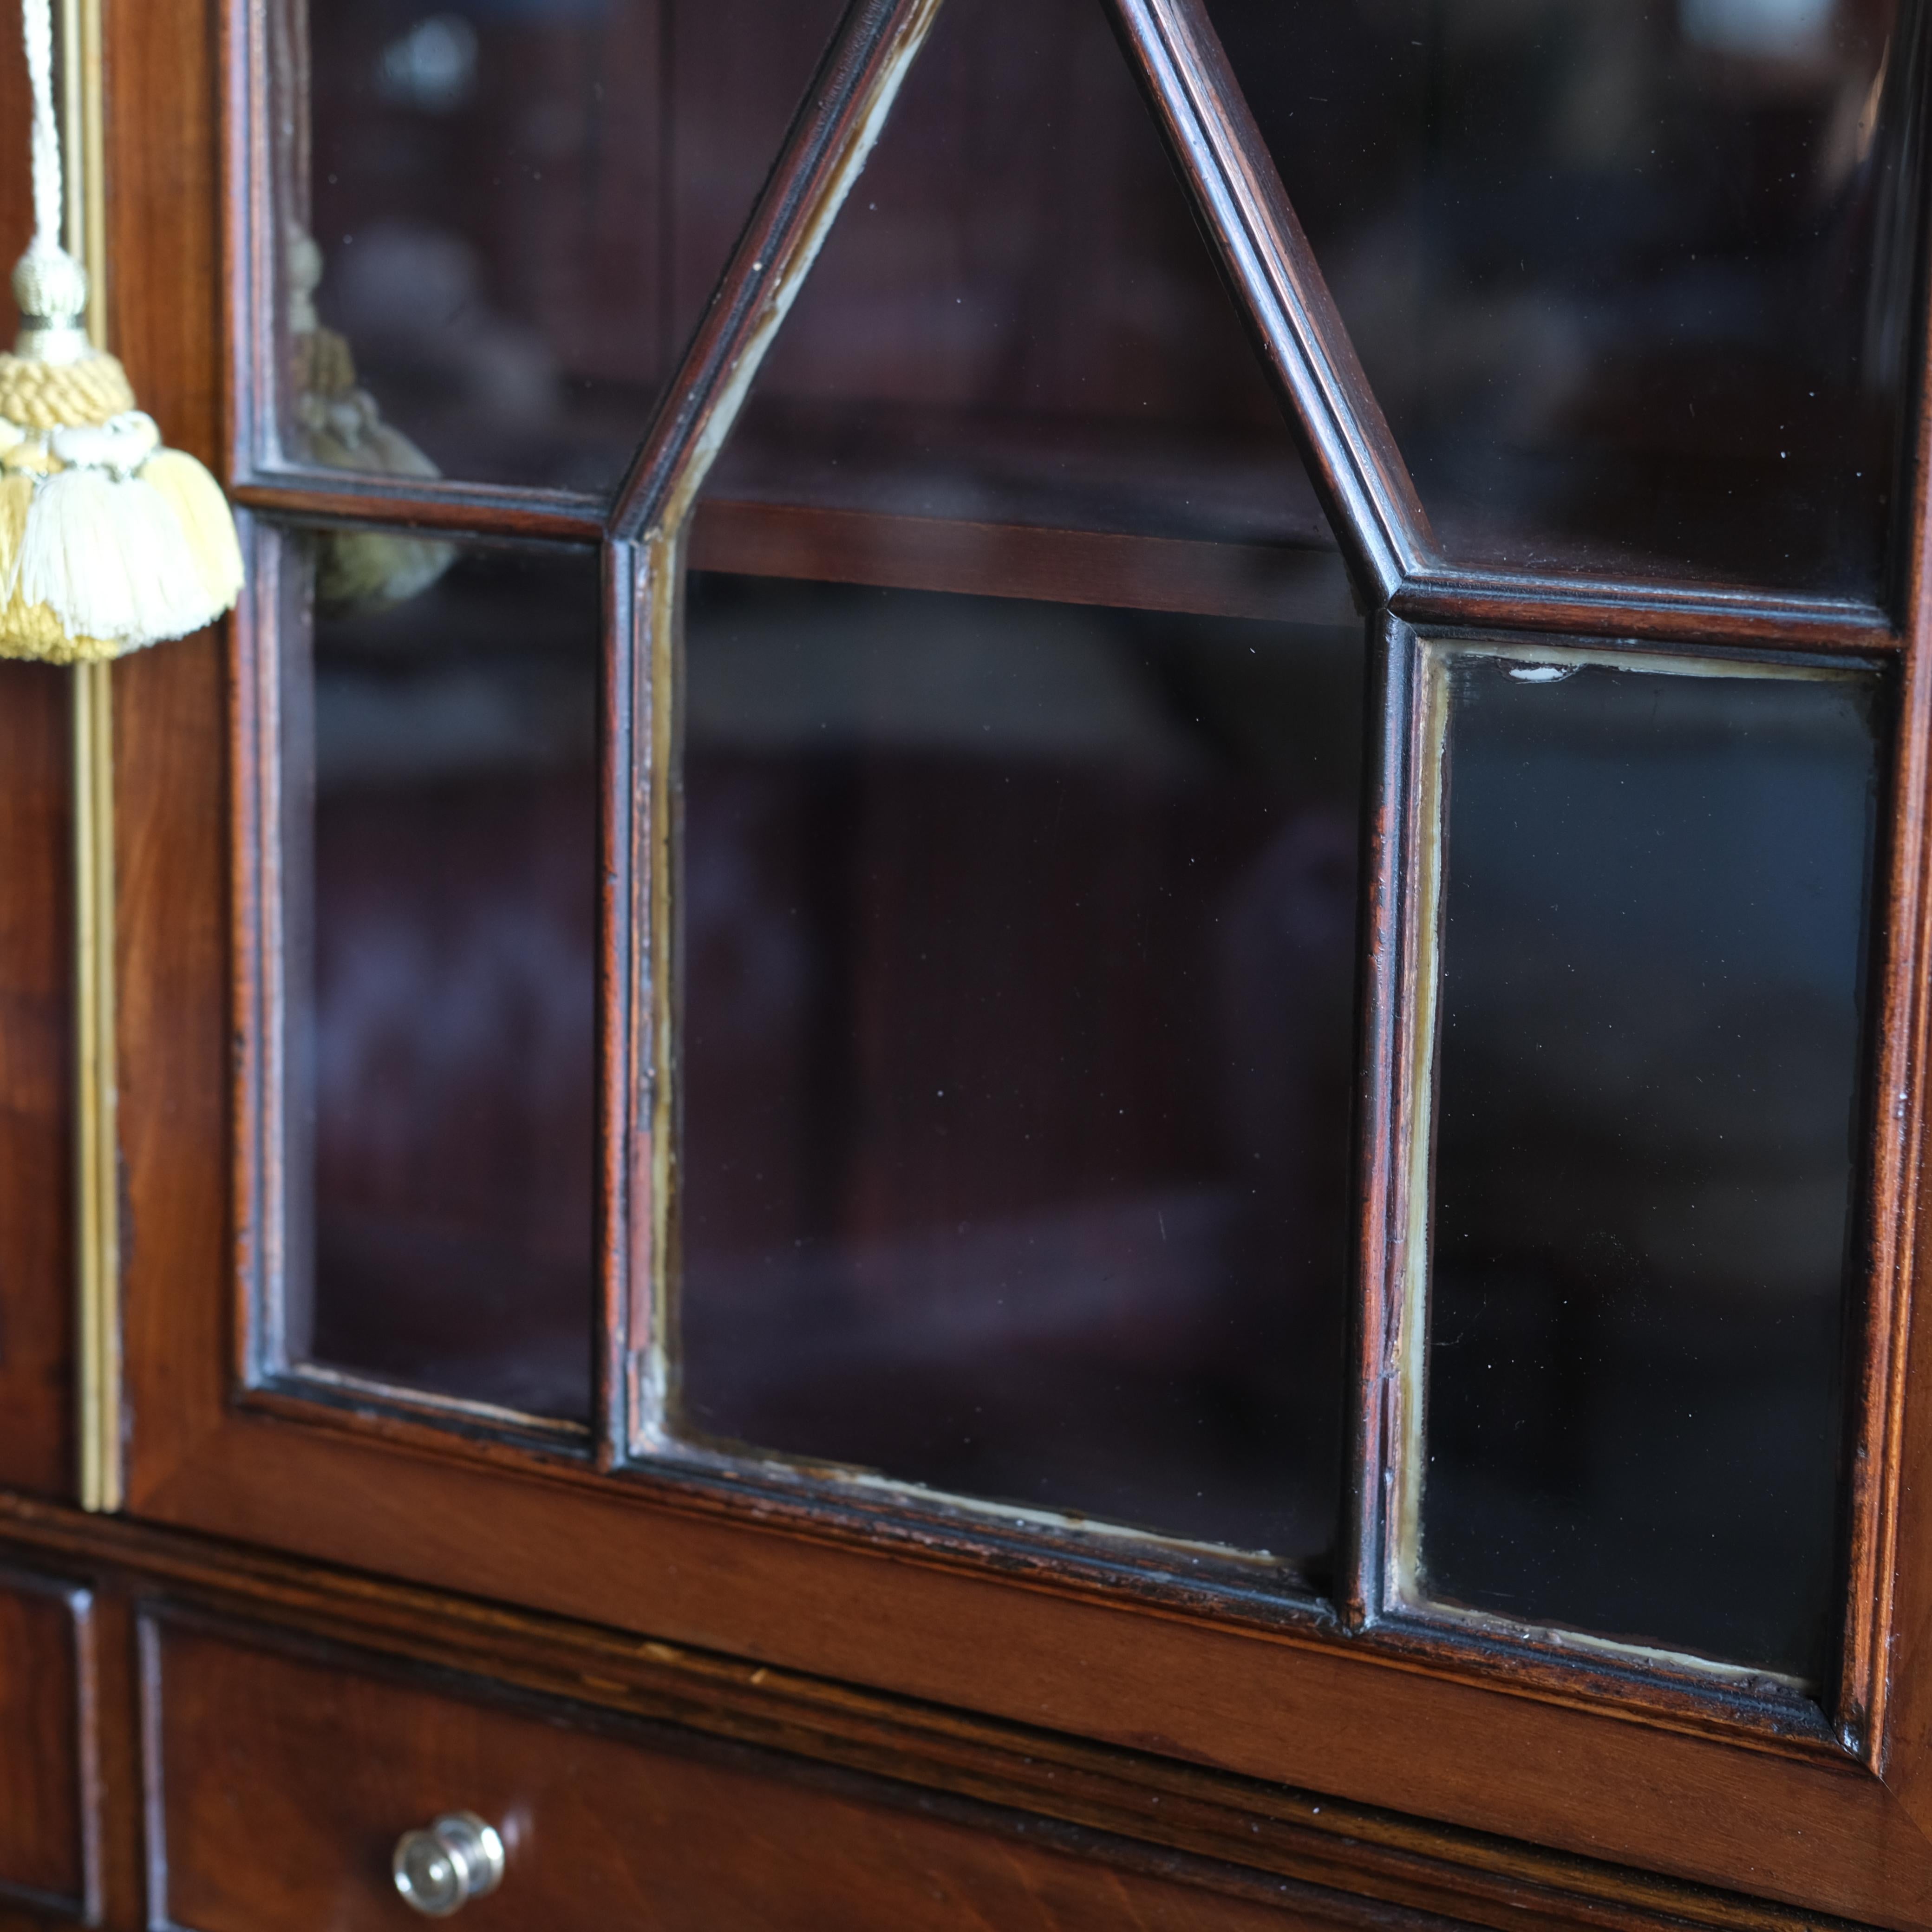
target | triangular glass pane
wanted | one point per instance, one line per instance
(1015, 320)
(1021, 775)
(1633, 284)
(498, 221)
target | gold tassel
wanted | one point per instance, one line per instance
(31, 630)
(196, 499)
(108, 541)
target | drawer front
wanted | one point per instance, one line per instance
(47, 1830)
(280, 1781)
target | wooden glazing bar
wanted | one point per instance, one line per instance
(1013, 560)
(257, 1089)
(294, 1389)
(844, 108)
(1884, 1703)
(247, 252)
(1673, 613)
(647, 1067)
(1407, 1184)
(478, 509)
(251, 261)
(1351, 457)
(626, 700)
(1381, 1121)
(1884, 1707)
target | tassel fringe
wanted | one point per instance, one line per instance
(31, 630)
(107, 542)
(97, 559)
(108, 556)
(195, 499)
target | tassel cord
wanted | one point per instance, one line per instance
(37, 30)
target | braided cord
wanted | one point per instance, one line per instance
(45, 395)
(37, 28)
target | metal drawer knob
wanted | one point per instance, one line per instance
(456, 1858)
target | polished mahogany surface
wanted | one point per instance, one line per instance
(1015, 1027)
(47, 1834)
(1633, 283)
(1502, 1779)
(520, 209)
(441, 962)
(37, 1319)
(1655, 938)
(602, 1824)
(37, 1123)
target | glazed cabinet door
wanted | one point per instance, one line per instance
(1051, 927)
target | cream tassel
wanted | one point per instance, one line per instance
(107, 542)
(196, 498)
(108, 555)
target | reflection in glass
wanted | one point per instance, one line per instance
(1015, 1040)
(1015, 319)
(507, 215)
(1633, 283)
(441, 1115)
(1654, 905)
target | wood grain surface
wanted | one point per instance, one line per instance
(48, 1826)
(37, 1420)
(281, 1782)
(1454, 1777)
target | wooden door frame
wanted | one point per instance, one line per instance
(1612, 1766)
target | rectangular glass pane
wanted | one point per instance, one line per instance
(1653, 908)
(1015, 1040)
(442, 887)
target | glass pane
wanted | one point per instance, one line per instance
(1633, 282)
(1016, 1039)
(441, 863)
(1020, 783)
(1653, 909)
(1015, 320)
(516, 210)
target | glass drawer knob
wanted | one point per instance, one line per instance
(456, 1858)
